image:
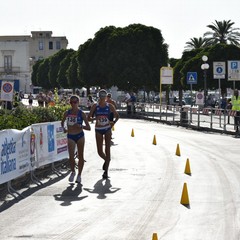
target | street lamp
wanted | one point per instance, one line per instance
(204, 67)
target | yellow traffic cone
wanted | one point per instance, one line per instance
(178, 150)
(154, 140)
(132, 134)
(187, 168)
(185, 199)
(154, 236)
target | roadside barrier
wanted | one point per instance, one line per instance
(24, 151)
(196, 117)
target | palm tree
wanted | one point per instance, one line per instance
(195, 43)
(222, 32)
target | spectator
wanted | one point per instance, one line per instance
(236, 107)
(30, 99)
(210, 101)
(40, 99)
(132, 102)
(229, 107)
(224, 103)
(90, 102)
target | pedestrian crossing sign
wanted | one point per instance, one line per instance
(192, 78)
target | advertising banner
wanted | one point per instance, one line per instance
(51, 143)
(61, 142)
(15, 153)
(31, 148)
(45, 145)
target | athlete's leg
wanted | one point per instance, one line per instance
(108, 135)
(80, 148)
(99, 142)
(71, 152)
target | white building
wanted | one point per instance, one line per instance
(19, 53)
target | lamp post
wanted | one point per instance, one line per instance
(204, 67)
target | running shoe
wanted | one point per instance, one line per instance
(71, 177)
(105, 175)
(78, 180)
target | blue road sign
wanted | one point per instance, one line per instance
(192, 78)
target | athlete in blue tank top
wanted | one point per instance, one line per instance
(102, 118)
(73, 120)
(100, 112)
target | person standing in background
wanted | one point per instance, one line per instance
(236, 107)
(110, 100)
(30, 100)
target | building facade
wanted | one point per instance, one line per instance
(19, 53)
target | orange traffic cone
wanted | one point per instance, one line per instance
(154, 236)
(184, 198)
(154, 140)
(132, 134)
(178, 150)
(187, 168)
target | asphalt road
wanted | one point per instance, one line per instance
(142, 195)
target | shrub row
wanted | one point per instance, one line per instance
(21, 117)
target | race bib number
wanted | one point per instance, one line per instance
(103, 121)
(71, 120)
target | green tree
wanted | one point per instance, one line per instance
(195, 43)
(62, 79)
(192, 61)
(54, 65)
(42, 74)
(35, 72)
(128, 57)
(222, 32)
(72, 72)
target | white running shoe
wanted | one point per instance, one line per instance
(78, 180)
(71, 177)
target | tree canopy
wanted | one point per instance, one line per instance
(127, 57)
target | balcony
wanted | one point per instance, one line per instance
(12, 70)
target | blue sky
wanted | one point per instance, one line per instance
(79, 20)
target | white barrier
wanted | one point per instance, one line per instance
(33, 147)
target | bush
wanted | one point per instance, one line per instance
(21, 117)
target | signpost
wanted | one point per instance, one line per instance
(219, 72)
(166, 77)
(191, 79)
(233, 71)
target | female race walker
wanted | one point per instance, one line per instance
(74, 119)
(103, 127)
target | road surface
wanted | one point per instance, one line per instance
(142, 195)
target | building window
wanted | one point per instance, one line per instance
(40, 44)
(50, 45)
(8, 63)
(58, 45)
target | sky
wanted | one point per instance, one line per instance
(79, 20)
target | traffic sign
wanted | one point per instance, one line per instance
(192, 78)
(219, 70)
(234, 70)
(166, 75)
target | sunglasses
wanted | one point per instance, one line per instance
(73, 102)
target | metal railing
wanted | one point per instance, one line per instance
(214, 119)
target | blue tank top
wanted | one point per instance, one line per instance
(102, 116)
(73, 118)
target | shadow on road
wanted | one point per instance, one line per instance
(31, 189)
(70, 194)
(102, 187)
